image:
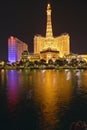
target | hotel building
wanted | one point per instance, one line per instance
(51, 47)
(15, 49)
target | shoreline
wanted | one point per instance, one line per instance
(42, 68)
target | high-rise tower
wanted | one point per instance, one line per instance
(49, 33)
(51, 47)
(15, 49)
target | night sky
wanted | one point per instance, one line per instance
(24, 19)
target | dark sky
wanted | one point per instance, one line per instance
(24, 19)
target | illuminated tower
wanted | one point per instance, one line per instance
(51, 47)
(12, 55)
(15, 49)
(49, 33)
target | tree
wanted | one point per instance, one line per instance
(42, 62)
(50, 61)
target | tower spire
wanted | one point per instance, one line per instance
(49, 32)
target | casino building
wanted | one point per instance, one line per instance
(15, 49)
(51, 47)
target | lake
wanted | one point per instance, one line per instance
(42, 99)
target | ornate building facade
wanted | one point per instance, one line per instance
(50, 47)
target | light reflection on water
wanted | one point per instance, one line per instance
(12, 92)
(55, 91)
(43, 99)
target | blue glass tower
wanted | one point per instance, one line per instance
(12, 50)
(15, 49)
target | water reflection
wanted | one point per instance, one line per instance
(44, 99)
(84, 82)
(68, 76)
(78, 81)
(78, 77)
(12, 94)
(2, 76)
(53, 96)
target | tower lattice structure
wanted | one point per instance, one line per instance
(49, 33)
(56, 46)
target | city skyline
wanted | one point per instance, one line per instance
(26, 19)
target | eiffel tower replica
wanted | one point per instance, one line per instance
(51, 47)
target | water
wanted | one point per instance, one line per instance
(42, 99)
